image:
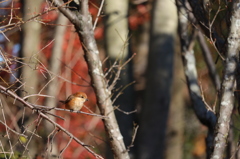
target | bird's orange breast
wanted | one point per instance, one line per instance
(75, 104)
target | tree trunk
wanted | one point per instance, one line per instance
(228, 85)
(53, 89)
(30, 47)
(175, 129)
(154, 114)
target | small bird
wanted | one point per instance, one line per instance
(75, 101)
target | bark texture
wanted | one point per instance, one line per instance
(227, 87)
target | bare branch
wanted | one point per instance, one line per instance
(61, 152)
(209, 61)
(99, 12)
(135, 129)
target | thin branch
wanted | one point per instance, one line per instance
(81, 112)
(135, 129)
(99, 12)
(34, 132)
(46, 108)
(17, 133)
(61, 152)
(203, 98)
(127, 113)
(7, 134)
(37, 95)
(209, 61)
(50, 139)
(119, 69)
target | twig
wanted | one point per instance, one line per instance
(61, 152)
(209, 61)
(67, 110)
(9, 141)
(203, 98)
(39, 95)
(3, 149)
(6, 62)
(46, 108)
(127, 113)
(121, 91)
(55, 115)
(99, 12)
(135, 129)
(119, 71)
(17, 133)
(76, 73)
(50, 139)
(39, 119)
(210, 30)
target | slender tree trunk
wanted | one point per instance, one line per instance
(154, 114)
(228, 85)
(30, 46)
(53, 87)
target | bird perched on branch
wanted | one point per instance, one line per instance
(75, 101)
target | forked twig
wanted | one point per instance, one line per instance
(61, 152)
(135, 129)
(203, 98)
(127, 113)
(119, 69)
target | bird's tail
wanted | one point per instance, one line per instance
(62, 101)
